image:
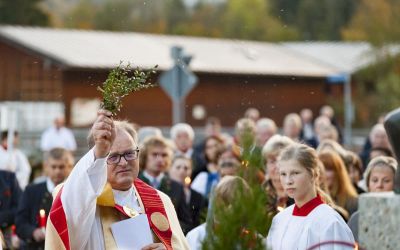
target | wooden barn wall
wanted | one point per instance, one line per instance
(25, 76)
(228, 97)
(223, 96)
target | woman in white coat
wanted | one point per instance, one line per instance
(309, 223)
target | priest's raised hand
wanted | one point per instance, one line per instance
(103, 132)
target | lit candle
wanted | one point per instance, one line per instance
(42, 217)
(188, 181)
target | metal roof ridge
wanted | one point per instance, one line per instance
(315, 59)
(134, 32)
(279, 46)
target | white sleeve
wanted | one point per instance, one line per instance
(270, 236)
(81, 189)
(196, 236)
(199, 183)
(339, 234)
(44, 141)
(23, 170)
(71, 141)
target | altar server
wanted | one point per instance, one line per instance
(310, 223)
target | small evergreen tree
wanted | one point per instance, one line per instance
(244, 224)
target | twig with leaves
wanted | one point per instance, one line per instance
(120, 82)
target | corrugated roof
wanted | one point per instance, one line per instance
(345, 56)
(97, 49)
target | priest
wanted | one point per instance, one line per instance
(104, 189)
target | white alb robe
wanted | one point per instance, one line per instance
(16, 162)
(57, 138)
(196, 236)
(322, 224)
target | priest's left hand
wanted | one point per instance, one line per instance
(155, 246)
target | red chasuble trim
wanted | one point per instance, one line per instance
(153, 208)
(308, 207)
(59, 220)
(151, 201)
(121, 209)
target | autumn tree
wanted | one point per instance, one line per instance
(376, 21)
(315, 19)
(252, 20)
(378, 88)
(205, 20)
(82, 15)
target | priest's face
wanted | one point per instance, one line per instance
(297, 181)
(122, 163)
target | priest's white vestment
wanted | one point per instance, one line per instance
(79, 199)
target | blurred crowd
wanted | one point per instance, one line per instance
(188, 172)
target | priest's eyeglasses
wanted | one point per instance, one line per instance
(128, 156)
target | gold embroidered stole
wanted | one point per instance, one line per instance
(109, 215)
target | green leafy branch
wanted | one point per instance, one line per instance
(120, 82)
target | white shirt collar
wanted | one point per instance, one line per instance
(50, 185)
(187, 154)
(151, 178)
(127, 198)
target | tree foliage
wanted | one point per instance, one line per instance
(315, 19)
(245, 222)
(378, 88)
(82, 16)
(251, 20)
(232, 18)
(376, 21)
(115, 15)
(23, 12)
(378, 85)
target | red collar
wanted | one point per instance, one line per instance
(308, 207)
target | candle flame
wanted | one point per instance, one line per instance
(188, 180)
(42, 213)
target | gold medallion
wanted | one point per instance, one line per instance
(130, 212)
(159, 221)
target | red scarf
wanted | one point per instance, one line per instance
(308, 207)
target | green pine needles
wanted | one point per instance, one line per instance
(120, 82)
(245, 222)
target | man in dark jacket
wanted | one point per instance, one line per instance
(10, 193)
(35, 203)
(155, 160)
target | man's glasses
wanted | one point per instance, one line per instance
(128, 156)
